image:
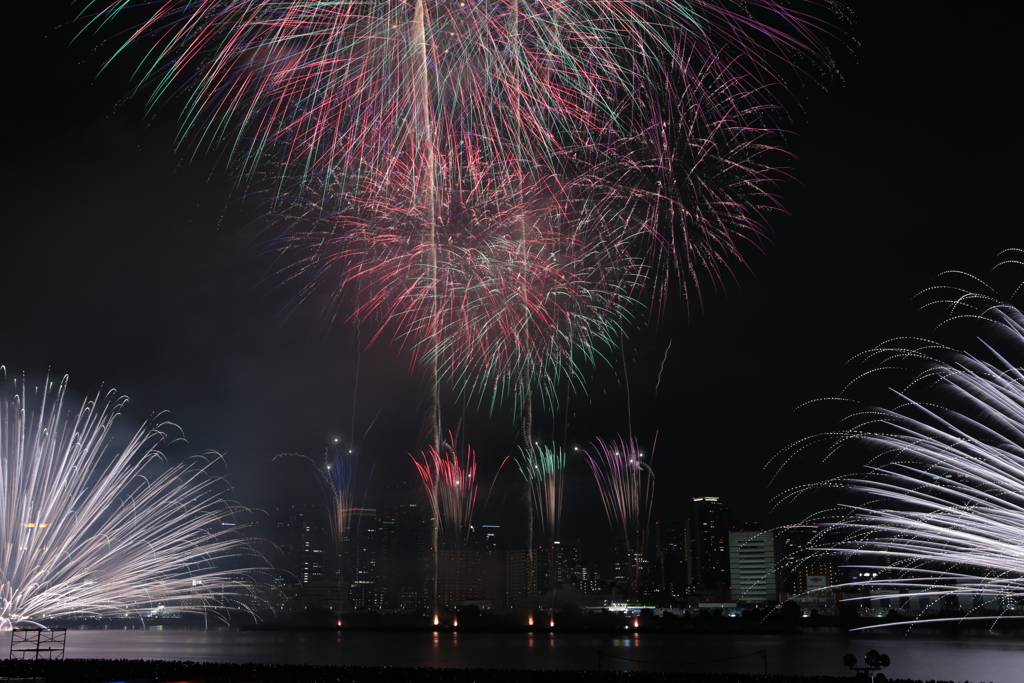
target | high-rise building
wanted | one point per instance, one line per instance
(301, 534)
(363, 558)
(800, 564)
(752, 567)
(406, 561)
(521, 576)
(670, 539)
(707, 544)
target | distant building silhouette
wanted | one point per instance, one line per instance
(672, 579)
(708, 549)
(406, 573)
(302, 535)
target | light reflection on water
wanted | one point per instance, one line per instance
(978, 656)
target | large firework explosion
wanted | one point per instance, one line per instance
(319, 85)
(626, 482)
(942, 508)
(508, 290)
(91, 529)
(692, 186)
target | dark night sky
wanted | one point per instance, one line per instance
(128, 264)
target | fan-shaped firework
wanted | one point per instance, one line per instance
(626, 482)
(339, 472)
(328, 84)
(946, 509)
(508, 289)
(543, 468)
(88, 529)
(449, 480)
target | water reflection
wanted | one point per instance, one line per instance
(983, 656)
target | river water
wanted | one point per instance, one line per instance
(976, 656)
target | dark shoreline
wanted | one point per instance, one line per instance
(156, 671)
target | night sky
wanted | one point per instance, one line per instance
(127, 263)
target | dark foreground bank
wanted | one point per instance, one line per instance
(138, 671)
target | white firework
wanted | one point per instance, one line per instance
(87, 528)
(945, 511)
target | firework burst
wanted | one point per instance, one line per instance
(944, 496)
(626, 483)
(324, 85)
(514, 286)
(691, 188)
(88, 529)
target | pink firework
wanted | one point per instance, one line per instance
(513, 286)
(323, 85)
(693, 187)
(449, 480)
(626, 482)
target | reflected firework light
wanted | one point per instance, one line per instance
(626, 482)
(945, 491)
(89, 529)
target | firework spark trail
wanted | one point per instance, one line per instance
(626, 483)
(520, 294)
(449, 480)
(336, 475)
(947, 485)
(543, 468)
(339, 472)
(88, 530)
(693, 186)
(323, 85)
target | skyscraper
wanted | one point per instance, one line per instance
(301, 534)
(708, 549)
(670, 538)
